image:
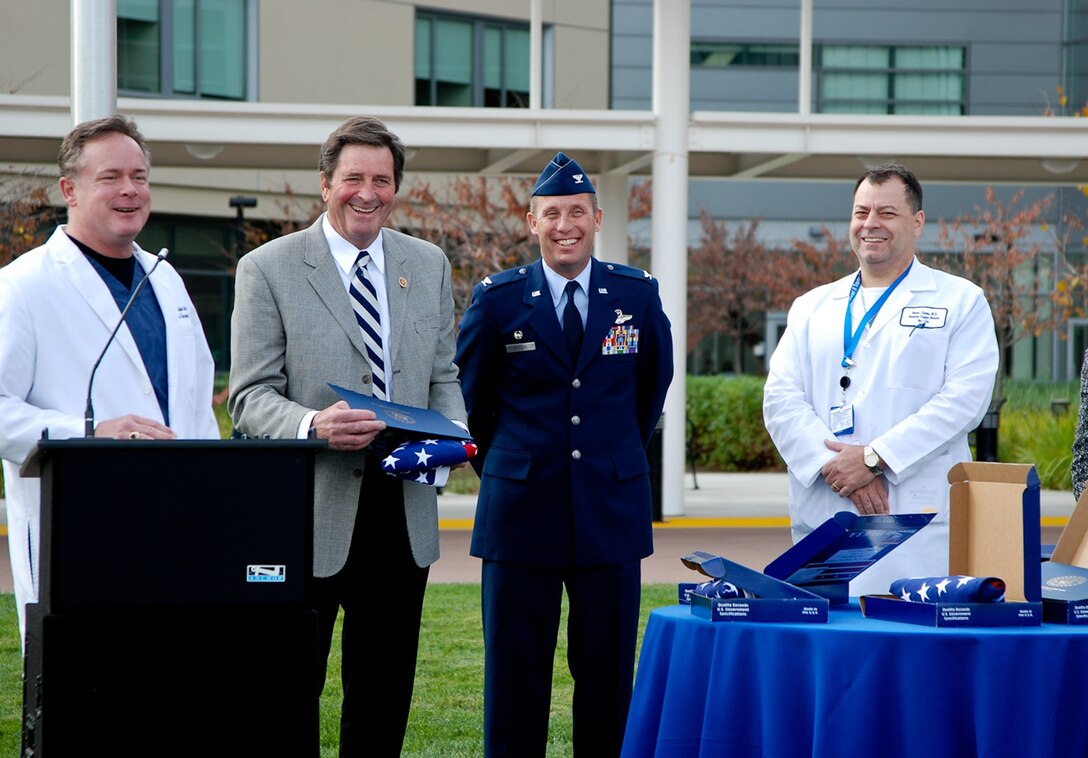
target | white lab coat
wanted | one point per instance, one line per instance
(916, 393)
(56, 314)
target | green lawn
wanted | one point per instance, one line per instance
(447, 711)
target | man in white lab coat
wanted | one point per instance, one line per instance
(58, 305)
(877, 381)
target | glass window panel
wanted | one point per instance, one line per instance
(493, 57)
(1076, 26)
(722, 54)
(185, 46)
(855, 86)
(138, 10)
(423, 48)
(929, 109)
(859, 107)
(517, 59)
(138, 67)
(453, 43)
(454, 95)
(936, 86)
(222, 51)
(1076, 75)
(855, 56)
(930, 57)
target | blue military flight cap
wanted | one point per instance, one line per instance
(563, 176)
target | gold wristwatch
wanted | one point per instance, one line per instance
(872, 460)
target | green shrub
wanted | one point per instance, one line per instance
(1041, 438)
(725, 422)
(1038, 421)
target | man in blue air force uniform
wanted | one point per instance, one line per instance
(564, 368)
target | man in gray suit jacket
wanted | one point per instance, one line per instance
(311, 308)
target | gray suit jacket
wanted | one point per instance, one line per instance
(293, 330)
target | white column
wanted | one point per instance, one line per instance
(804, 85)
(536, 57)
(611, 242)
(94, 59)
(672, 106)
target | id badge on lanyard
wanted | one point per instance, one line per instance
(842, 416)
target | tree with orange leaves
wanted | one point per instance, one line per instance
(734, 280)
(26, 218)
(1003, 247)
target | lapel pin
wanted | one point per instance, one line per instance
(536, 293)
(518, 335)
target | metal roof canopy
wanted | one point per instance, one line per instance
(723, 145)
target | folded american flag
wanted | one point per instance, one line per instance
(418, 461)
(950, 589)
(718, 588)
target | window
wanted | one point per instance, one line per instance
(182, 48)
(723, 54)
(471, 62)
(904, 80)
(1076, 55)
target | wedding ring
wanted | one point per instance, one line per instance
(835, 487)
(134, 435)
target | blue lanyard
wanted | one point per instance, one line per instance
(850, 339)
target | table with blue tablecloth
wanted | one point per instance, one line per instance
(857, 687)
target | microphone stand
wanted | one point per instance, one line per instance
(88, 416)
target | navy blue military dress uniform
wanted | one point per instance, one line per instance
(564, 495)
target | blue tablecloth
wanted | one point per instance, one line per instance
(857, 687)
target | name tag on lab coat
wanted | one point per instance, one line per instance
(923, 317)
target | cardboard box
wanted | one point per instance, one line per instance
(770, 600)
(1065, 576)
(842, 547)
(993, 531)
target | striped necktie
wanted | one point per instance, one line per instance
(364, 301)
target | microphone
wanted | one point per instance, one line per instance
(88, 416)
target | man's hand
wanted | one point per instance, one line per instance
(846, 472)
(346, 428)
(872, 498)
(132, 427)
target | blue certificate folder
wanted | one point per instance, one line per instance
(842, 547)
(403, 422)
(773, 600)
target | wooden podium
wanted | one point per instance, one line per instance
(174, 613)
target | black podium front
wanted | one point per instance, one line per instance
(174, 613)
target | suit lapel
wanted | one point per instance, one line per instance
(545, 323)
(602, 313)
(396, 262)
(326, 281)
(88, 283)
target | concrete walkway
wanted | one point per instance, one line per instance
(743, 500)
(744, 517)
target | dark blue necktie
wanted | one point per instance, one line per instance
(572, 323)
(365, 303)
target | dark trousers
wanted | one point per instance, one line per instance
(380, 568)
(521, 610)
